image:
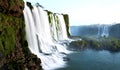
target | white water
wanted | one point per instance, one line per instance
(42, 36)
(63, 27)
(103, 30)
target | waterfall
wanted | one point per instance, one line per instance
(103, 30)
(63, 27)
(43, 32)
(58, 28)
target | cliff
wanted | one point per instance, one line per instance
(113, 30)
(14, 52)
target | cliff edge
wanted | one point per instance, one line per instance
(14, 52)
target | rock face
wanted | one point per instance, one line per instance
(14, 52)
(12, 7)
(96, 30)
(66, 17)
(115, 31)
(84, 30)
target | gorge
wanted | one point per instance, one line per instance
(33, 38)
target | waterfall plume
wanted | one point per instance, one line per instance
(103, 30)
(44, 30)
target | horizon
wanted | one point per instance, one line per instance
(85, 12)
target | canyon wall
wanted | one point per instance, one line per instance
(14, 52)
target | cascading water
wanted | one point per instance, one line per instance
(43, 31)
(63, 27)
(103, 31)
(57, 25)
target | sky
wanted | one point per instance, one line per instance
(85, 12)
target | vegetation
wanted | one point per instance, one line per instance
(111, 44)
(8, 29)
(14, 52)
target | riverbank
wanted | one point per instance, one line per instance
(102, 43)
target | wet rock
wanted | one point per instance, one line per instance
(29, 5)
(66, 59)
(63, 53)
(47, 53)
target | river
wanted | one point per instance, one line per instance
(93, 60)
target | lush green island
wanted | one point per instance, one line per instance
(102, 43)
(99, 37)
